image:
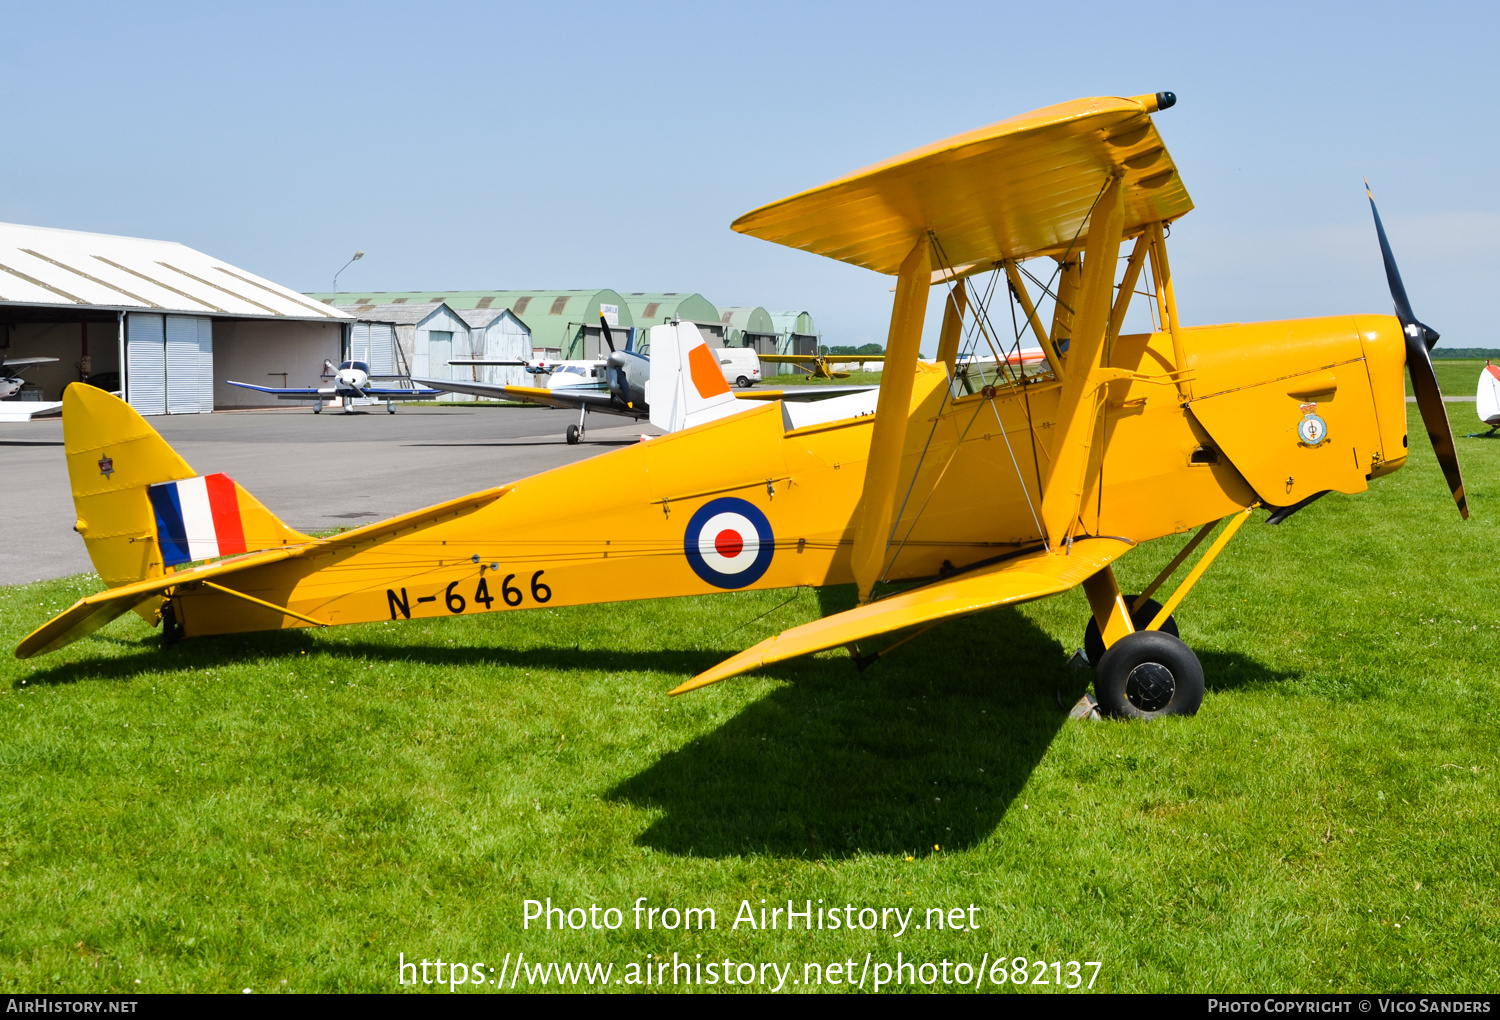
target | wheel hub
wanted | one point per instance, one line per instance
(1150, 686)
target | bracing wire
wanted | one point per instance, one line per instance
(983, 327)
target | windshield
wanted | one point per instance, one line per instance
(974, 374)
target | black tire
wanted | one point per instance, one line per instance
(573, 435)
(743, 382)
(1149, 674)
(1093, 641)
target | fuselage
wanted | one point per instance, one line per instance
(747, 502)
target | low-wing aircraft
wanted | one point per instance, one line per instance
(966, 492)
(1487, 399)
(351, 381)
(625, 384)
(11, 370)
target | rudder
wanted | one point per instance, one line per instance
(134, 523)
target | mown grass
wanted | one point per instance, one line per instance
(1457, 377)
(293, 810)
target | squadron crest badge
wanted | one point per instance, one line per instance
(1312, 429)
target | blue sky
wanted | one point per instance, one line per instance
(582, 145)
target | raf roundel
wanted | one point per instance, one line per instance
(729, 543)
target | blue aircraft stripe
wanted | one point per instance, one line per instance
(171, 530)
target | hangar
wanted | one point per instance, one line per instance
(420, 339)
(749, 327)
(162, 323)
(562, 323)
(796, 334)
(654, 309)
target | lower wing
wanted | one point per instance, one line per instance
(1019, 579)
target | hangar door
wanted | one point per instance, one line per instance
(169, 363)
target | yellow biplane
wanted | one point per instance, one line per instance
(820, 366)
(977, 482)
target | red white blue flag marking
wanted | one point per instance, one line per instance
(729, 543)
(197, 519)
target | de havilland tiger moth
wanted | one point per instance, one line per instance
(970, 487)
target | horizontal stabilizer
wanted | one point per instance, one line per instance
(88, 614)
(1015, 580)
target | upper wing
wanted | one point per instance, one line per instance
(1015, 189)
(18, 362)
(1015, 580)
(283, 391)
(563, 396)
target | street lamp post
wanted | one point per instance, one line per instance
(357, 256)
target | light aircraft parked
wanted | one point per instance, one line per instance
(623, 383)
(351, 381)
(11, 381)
(968, 496)
(1487, 399)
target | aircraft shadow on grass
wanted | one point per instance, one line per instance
(927, 748)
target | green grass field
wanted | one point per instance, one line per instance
(1456, 378)
(291, 811)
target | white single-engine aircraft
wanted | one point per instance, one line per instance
(10, 384)
(1487, 399)
(622, 383)
(351, 381)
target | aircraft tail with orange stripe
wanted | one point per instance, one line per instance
(687, 387)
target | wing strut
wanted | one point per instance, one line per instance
(1078, 405)
(873, 530)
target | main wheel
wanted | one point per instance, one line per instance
(743, 382)
(318, 408)
(1093, 641)
(390, 408)
(573, 435)
(1149, 674)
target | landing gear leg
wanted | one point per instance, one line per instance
(575, 432)
(171, 630)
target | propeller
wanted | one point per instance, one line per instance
(1419, 340)
(604, 326)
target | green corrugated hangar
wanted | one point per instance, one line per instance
(654, 309)
(563, 323)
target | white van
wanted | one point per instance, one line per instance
(741, 366)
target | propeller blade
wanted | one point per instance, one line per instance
(1419, 341)
(604, 326)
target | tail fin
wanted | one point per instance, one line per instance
(687, 385)
(141, 508)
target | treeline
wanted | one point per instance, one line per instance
(862, 349)
(1454, 353)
